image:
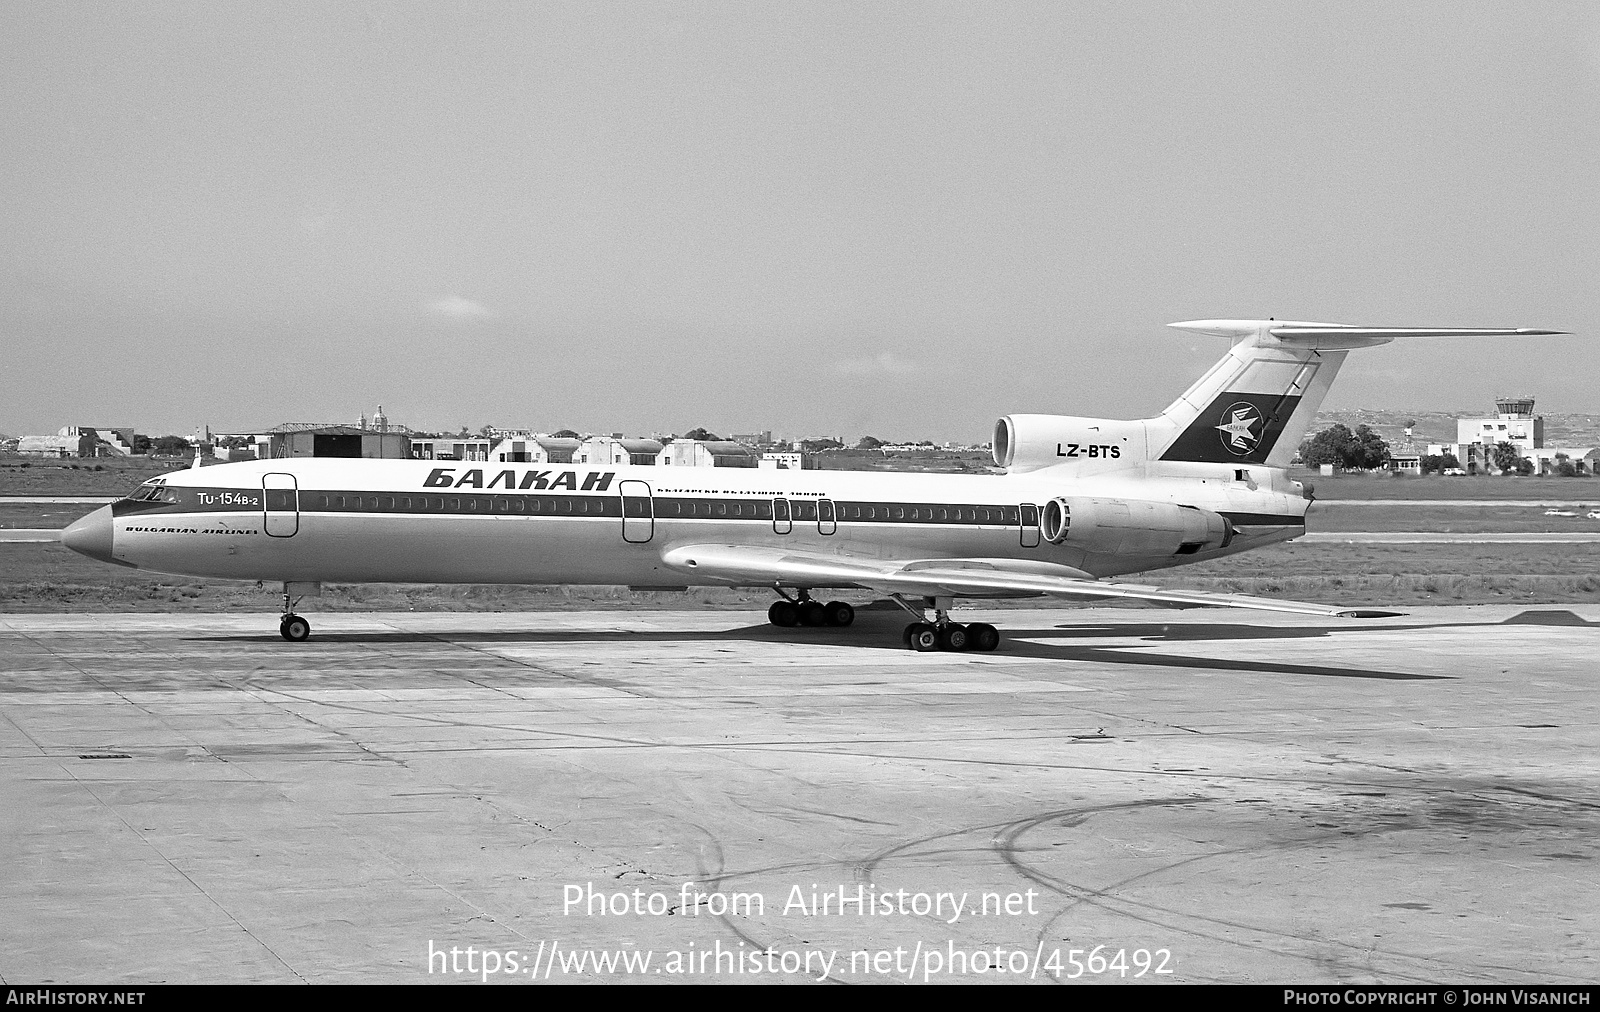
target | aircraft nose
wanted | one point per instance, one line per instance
(91, 535)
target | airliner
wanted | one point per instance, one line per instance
(1078, 501)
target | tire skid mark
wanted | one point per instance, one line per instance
(1007, 845)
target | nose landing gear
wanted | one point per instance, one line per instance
(292, 627)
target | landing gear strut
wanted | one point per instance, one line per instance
(940, 633)
(293, 627)
(802, 610)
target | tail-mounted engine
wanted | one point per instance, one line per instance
(1029, 442)
(1132, 527)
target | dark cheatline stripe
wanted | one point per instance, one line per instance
(457, 503)
(216, 500)
(1264, 519)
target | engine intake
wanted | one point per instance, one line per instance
(1133, 527)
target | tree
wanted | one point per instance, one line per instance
(563, 434)
(1361, 450)
(1432, 463)
(1327, 446)
(818, 445)
(702, 434)
(1506, 457)
(1369, 450)
(869, 443)
(169, 444)
(1449, 462)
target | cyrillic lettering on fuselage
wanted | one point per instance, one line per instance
(593, 481)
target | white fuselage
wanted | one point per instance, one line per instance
(344, 520)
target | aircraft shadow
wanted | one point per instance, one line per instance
(881, 631)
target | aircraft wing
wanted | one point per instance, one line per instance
(745, 565)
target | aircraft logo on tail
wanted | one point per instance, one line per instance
(1238, 428)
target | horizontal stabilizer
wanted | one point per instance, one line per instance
(1295, 333)
(1304, 331)
(1255, 405)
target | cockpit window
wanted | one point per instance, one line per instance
(153, 491)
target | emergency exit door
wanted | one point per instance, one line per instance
(638, 512)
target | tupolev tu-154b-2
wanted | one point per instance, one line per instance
(1080, 501)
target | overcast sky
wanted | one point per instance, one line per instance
(893, 218)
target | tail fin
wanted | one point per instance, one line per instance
(1255, 405)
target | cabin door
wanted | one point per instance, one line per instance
(280, 501)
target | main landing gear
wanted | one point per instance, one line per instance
(801, 610)
(943, 634)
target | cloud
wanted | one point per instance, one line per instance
(885, 363)
(457, 308)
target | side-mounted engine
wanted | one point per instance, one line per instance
(1029, 442)
(1132, 527)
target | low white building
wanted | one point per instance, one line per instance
(451, 448)
(617, 449)
(80, 441)
(535, 449)
(707, 453)
(783, 461)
